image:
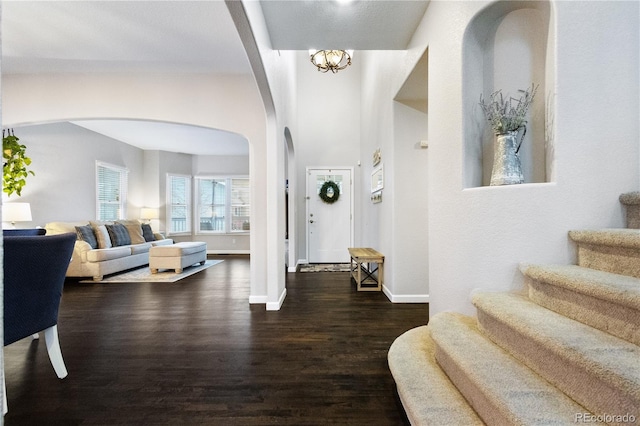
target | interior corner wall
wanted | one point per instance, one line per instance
(398, 225)
(410, 268)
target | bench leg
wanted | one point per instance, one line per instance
(178, 270)
(154, 271)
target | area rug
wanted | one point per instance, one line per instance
(163, 276)
(325, 267)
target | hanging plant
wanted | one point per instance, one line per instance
(330, 192)
(15, 163)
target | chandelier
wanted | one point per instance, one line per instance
(331, 60)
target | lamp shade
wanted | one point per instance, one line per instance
(148, 213)
(16, 212)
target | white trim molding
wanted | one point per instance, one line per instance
(405, 298)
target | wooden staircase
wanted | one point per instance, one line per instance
(566, 352)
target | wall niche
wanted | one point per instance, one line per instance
(508, 46)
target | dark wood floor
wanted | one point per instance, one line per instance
(195, 352)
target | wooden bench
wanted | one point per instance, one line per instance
(364, 276)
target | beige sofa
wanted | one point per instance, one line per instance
(106, 258)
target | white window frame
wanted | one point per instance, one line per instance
(122, 191)
(170, 204)
(228, 206)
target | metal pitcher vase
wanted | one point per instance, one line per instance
(506, 162)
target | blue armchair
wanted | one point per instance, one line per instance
(34, 273)
(23, 232)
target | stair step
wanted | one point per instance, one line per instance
(609, 250)
(631, 201)
(606, 301)
(428, 396)
(596, 369)
(502, 390)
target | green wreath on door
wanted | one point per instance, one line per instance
(330, 192)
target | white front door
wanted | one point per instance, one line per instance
(329, 224)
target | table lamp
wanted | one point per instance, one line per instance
(16, 212)
(148, 213)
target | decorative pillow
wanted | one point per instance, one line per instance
(134, 229)
(85, 233)
(102, 235)
(147, 232)
(119, 235)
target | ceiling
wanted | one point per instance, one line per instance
(185, 37)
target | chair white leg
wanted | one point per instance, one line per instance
(5, 406)
(55, 355)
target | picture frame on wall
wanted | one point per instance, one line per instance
(377, 157)
(377, 179)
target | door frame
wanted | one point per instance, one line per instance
(307, 199)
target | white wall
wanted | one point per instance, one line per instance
(478, 236)
(64, 162)
(329, 130)
(276, 78)
(410, 267)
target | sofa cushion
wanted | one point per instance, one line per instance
(140, 248)
(100, 255)
(119, 235)
(85, 233)
(55, 228)
(102, 235)
(135, 230)
(147, 232)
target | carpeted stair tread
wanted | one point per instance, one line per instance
(631, 202)
(609, 302)
(613, 237)
(501, 389)
(565, 352)
(428, 396)
(630, 198)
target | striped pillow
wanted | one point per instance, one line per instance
(85, 233)
(119, 235)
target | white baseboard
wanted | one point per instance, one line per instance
(295, 268)
(257, 300)
(405, 298)
(275, 306)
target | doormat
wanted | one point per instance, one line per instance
(325, 267)
(162, 276)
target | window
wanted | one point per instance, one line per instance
(111, 191)
(178, 204)
(223, 205)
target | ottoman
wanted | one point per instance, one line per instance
(177, 256)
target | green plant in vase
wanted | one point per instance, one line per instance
(15, 164)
